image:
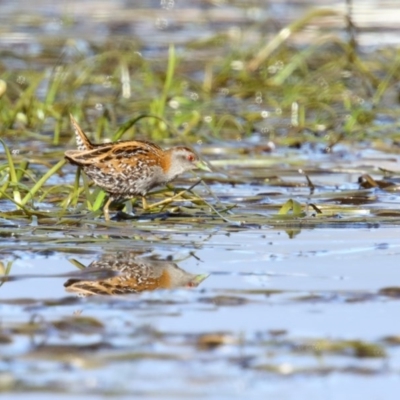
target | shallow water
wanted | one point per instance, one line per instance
(288, 309)
(293, 306)
(159, 23)
(268, 296)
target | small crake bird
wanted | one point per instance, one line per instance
(130, 168)
(136, 274)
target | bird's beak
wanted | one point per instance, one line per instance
(203, 166)
(200, 278)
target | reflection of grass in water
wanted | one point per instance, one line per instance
(5, 270)
(321, 93)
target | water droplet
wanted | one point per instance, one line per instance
(264, 114)
(107, 81)
(3, 87)
(21, 80)
(54, 24)
(174, 104)
(295, 114)
(194, 96)
(22, 118)
(208, 118)
(167, 4)
(237, 65)
(40, 114)
(161, 23)
(322, 82)
(255, 13)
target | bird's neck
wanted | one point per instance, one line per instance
(171, 169)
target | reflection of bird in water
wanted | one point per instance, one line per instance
(136, 274)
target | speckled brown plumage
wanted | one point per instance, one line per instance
(136, 275)
(130, 168)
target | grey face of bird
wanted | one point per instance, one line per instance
(182, 278)
(183, 159)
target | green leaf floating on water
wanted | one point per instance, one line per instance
(292, 208)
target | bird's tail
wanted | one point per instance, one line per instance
(82, 140)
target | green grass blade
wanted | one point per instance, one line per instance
(5, 270)
(128, 124)
(42, 180)
(168, 80)
(13, 174)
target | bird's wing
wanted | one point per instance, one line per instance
(120, 153)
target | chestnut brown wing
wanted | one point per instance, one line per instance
(119, 154)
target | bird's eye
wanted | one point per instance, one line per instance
(190, 157)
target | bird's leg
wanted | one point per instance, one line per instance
(144, 203)
(105, 209)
